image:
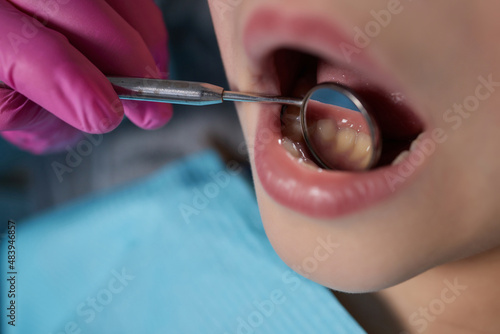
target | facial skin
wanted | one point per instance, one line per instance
(434, 52)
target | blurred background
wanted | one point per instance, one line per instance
(29, 184)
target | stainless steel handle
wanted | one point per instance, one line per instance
(167, 91)
(185, 92)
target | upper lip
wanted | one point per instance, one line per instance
(269, 29)
(323, 195)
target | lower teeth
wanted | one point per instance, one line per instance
(415, 143)
(291, 148)
(401, 157)
(296, 151)
(404, 154)
(310, 165)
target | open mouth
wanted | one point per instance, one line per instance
(289, 55)
(298, 72)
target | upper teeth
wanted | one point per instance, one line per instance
(327, 129)
(345, 140)
(362, 149)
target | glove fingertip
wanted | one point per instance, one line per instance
(106, 116)
(149, 115)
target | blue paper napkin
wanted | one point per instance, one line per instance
(183, 251)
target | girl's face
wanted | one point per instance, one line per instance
(426, 67)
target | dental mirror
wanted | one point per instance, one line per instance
(330, 120)
(338, 130)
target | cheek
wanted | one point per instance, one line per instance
(248, 116)
(223, 10)
(224, 18)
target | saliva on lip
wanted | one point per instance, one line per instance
(340, 137)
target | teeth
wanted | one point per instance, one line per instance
(326, 129)
(362, 148)
(415, 143)
(291, 148)
(365, 162)
(345, 144)
(403, 155)
(346, 138)
(309, 165)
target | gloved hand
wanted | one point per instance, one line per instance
(55, 55)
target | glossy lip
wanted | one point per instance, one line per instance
(325, 194)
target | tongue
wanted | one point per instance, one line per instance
(393, 117)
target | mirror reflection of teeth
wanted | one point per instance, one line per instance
(362, 148)
(326, 129)
(346, 143)
(338, 143)
(345, 140)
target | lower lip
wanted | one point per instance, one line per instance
(321, 194)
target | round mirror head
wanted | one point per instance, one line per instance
(338, 130)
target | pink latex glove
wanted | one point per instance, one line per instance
(58, 69)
